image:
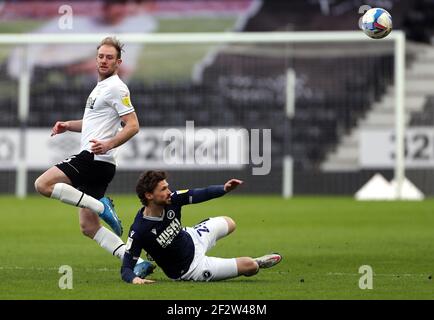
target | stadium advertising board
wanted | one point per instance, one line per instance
(377, 148)
(165, 148)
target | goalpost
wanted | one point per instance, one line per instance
(397, 37)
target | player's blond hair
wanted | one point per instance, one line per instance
(115, 43)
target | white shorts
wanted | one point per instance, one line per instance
(203, 268)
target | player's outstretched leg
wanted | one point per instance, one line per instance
(110, 217)
(55, 184)
(269, 260)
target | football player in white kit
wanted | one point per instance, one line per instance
(82, 179)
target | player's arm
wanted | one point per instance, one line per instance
(211, 192)
(132, 254)
(129, 130)
(127, 271)
(204, 194)
(63, 126)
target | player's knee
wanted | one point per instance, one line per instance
(42, 187)
(231, 224)
(38, 185)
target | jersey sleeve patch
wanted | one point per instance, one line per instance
(126, 101)
(182, 191)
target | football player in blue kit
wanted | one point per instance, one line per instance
(181, 252)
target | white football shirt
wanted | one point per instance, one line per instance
(101, 121)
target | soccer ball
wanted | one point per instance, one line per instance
(377, 23)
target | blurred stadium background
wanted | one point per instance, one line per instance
(340, 90)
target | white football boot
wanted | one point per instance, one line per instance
(268, 260)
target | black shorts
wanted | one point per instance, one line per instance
(87, 175)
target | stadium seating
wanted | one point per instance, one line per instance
(339, 99)
(336, 92)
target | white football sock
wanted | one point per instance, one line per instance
(112, 243)
(68, 194)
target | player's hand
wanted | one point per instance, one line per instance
(59, 127)
(138, 280)
(100, 147)
(232, 184)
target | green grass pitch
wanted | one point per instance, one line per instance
(323, 241)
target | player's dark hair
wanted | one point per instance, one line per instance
(147, 182)
(114, 42)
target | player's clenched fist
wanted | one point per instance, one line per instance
(59, 127)
(138, 280)
(100, 146)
